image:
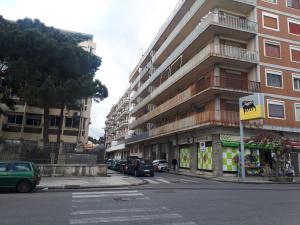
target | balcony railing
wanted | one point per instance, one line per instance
(219, 50)
(227, 83)
(203, 84)
(213, 18)
(223, 118)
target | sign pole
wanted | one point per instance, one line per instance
(242, 150)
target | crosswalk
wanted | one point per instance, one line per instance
(87, 210)
(161, 180)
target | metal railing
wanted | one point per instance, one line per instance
(225, 118)
(203, 84)
(218, 50)
(215, 18)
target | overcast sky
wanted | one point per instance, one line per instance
(122, 30)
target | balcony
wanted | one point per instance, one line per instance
(210, 25)
(200, 119)
(213, 53)
(209, 84)
(203, 119)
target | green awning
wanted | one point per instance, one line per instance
(236, 144)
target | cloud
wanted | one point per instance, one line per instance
(121, 29)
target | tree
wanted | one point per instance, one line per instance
(274, 141)
(47, 68)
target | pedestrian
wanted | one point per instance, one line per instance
(174, 164)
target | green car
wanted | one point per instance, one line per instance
(23, 176)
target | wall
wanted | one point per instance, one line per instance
(58, 170)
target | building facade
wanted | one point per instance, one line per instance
(208, 54)
(25, 123)
(116, 128)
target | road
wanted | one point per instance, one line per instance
(167, 199)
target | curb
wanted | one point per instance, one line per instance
(228, 181)
(77, 187)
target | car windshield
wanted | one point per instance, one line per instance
(163, 161)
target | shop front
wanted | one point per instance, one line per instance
(204, 156)
(184, 157)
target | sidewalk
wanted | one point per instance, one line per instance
(113, 179)
(234, 179)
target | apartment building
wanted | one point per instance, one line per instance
(25, 122)
(207, 55)
(116, 128)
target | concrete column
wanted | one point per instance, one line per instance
(217, 156)
(217, 44)
(193, 158)
(171, 153)
(217, 107)
(217, 75)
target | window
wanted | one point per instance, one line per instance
(270, 21)
(54, 121)
(274, 78)
(4, 167)
(294, 26)
(295, 53)
(21, 167)
(72, 122)
(297, 111)
(295, 4)
(272, 49)
(33, 119)
(296, 82)
(276, 109)
(14, 119)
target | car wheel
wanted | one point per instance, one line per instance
(152, 174)
(136, 173)
(24, 186)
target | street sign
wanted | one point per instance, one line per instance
(202, 146)
(252, 107)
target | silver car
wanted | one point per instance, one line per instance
(161, 165)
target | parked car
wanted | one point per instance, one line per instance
(139, 167)
(161, 165)
(123, 166)
(23, 176)
(115, 165)
(109, 163)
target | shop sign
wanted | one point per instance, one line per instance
(252, 107)
(202, 146)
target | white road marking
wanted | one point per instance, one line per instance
(151, 181)
(107, 195)
(163, 180)
(132, 210)
(180, 223)
(125, 218)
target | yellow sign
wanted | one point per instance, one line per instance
(252, 107)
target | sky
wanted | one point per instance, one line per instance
(122, 30)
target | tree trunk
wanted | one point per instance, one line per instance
(46, 128)
(277, 163)
(59, 132)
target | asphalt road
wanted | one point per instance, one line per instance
(167, 199)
